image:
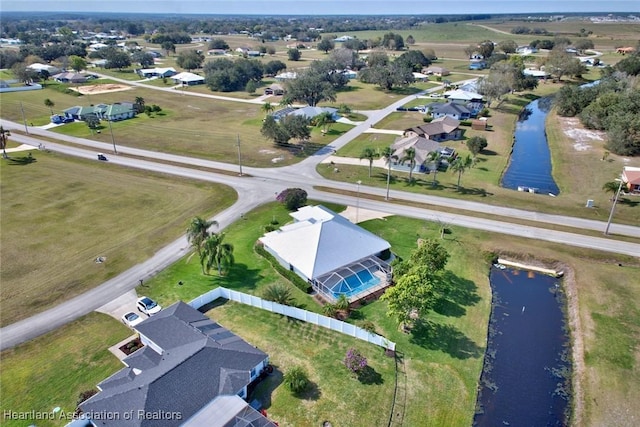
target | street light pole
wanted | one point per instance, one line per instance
(358, 200)
(113, 141)
(239, 156)
(613, 207)
(24, 119)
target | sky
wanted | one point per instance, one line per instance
(323, 7)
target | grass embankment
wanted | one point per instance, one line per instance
(60, 213)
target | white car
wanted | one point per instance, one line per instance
(131, 319)
(148, 306)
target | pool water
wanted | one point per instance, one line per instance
(354, 284)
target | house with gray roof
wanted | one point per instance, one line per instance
(187, 362)
(450, 109)
(307, 112)
(444, 128)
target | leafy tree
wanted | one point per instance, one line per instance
(272, 68)
(294, 54)
(388, 76)
(77, 63)
(116, 58)
(168, 47)
(629, 65)
(583, 44)
(271, 50)
(377, 59)
(485, 48)
(392, 41)
(218, 44)
(414, 59)
(508, 46)
(49, 103)
(296, 379)
(4, 134)
(216, 253)
(624, 134)
(296, 126)
(190, 59)
(571, 100)
(311, 88)
(355, 361)
(145, 59)
(560, 63)
(460, 165)
(293, 198)
(369, 154)
(476, 144)
(92, 122)
(409, 156)
(326, 45)
(410, 40)
(198, 232)
(274, 131)
(430, 54)
(279, 293)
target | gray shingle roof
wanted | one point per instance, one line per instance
(200, 360)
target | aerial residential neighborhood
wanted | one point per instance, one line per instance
(264, 214)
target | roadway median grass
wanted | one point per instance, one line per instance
(59, 214)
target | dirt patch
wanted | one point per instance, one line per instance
(583, 138)
(101, 88)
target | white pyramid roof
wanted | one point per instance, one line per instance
(321, 241)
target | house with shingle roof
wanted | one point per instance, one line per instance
(631, 179)
(68, 77)
(187, 362)
(450, 109)
(444, 128)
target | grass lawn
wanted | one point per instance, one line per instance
(76, 210)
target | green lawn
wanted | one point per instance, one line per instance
(76, 210)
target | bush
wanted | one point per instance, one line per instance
(465, 122)
(427, 119)
(269, 228)
(296, 280)
(368, 326)
(296, 379)
(279, 293)
(355, 361)
(85, 395)
(293, 198)
(251, 86)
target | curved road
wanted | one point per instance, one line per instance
(258, 186)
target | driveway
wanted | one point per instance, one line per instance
(121, 305)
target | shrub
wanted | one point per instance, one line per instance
(269, 228)
(279, 293)
(342, 303)
(368, 326)
(85, 395)
(355, 361)
(296, 280)
(329, 310)
(427, 119)
(465, 123)
(296, 379)
(293, 198)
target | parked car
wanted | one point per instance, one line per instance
(131, 319)
(102, 157)
(148, 306)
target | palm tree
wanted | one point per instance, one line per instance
(216, 253)
(279, 293)
(460, 165)
(3, 141)
(611, 187)
(435, 156)
(409, 156)
(139, 104)
(198, 232)
(369, 154)
(267, 108)
(324, 120)
(387, 155)
(49, 103)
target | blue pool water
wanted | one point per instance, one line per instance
(530, 163)
(355, 283)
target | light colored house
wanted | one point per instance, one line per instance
(436, 71)
(462, 96)
(157, 72)
(321, 246)
(187, 362)
(216, 52)
(526, 50)
(188, 79)
(441, 129)
(343, 38)
(540, 74)
(38, 67)
(70, 78)
(288, 75)
(308, 112)
(419, 77)
(631, 179)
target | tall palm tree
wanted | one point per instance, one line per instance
(387, 155)
(49, 103)
(369, 154)
(409, 156)
(216, 253)
(267, 108)
(139, 104)
(198, 232)
(435, 156)
(4, 134)
(611, 187)
(461, 164)
(324, 121)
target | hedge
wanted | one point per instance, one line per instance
(296, 280)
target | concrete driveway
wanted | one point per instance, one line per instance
(121, 305)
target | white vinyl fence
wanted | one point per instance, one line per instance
(293, 312)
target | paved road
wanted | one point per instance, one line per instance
(258, 186)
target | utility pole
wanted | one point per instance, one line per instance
(239, 155)
(358, 201)
(113, 141)
(24, 119)
(613, 207)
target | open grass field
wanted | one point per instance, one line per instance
(443, 359)
(59, 214)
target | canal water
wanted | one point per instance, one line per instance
(527, 371)
(530, 163)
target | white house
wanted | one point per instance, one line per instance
(188, 79)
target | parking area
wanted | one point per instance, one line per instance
(121, 305)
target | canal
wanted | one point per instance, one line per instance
(527, 371)
(530, 163)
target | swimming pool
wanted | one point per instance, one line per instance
(355, 283)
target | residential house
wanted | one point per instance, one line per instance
(423, 147)
(477, 65)
(625, 50)
(119, 111)
(70, 77)
(631, 179)
(38, 67)
(228, 411)
(321, 247)
(526, 50)
(287, 75)
(216, 52)
(419, 77)
(274, 89)
(156, 72)
(343, 38)
(188, 79)
(436, 71)
(308, 112)
(462, 96)
(540, 74)
(444, 128)
(188, 361)
(449, 109)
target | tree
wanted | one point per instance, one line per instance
(267, 108)
(49, 103)
(435, 157)
(139, 104)
(116, 58)
(4, 134)
(355, 361)
(77, 63)
(409, 156)
(145, 59)
(485, 48)
(279, 293)
(92, 121)
(476, 144)
(326, 45)
(369, 154)
(294, 54)
(414, 59)
(311, 88)
(190, 59)
(272, 68)
(198, 231)
(329, 310)
(611, 187)
(430, 54)
(293, 198)
(296, 379)
(392, 41)
(324, 121)
(560, 63)
(410, 40)
(387, 155)
(460, 165)
(387, 76)
(583, 44)
(218, 44)
(216, 253)
(273, 130)
(168, 47)
(508, 46)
